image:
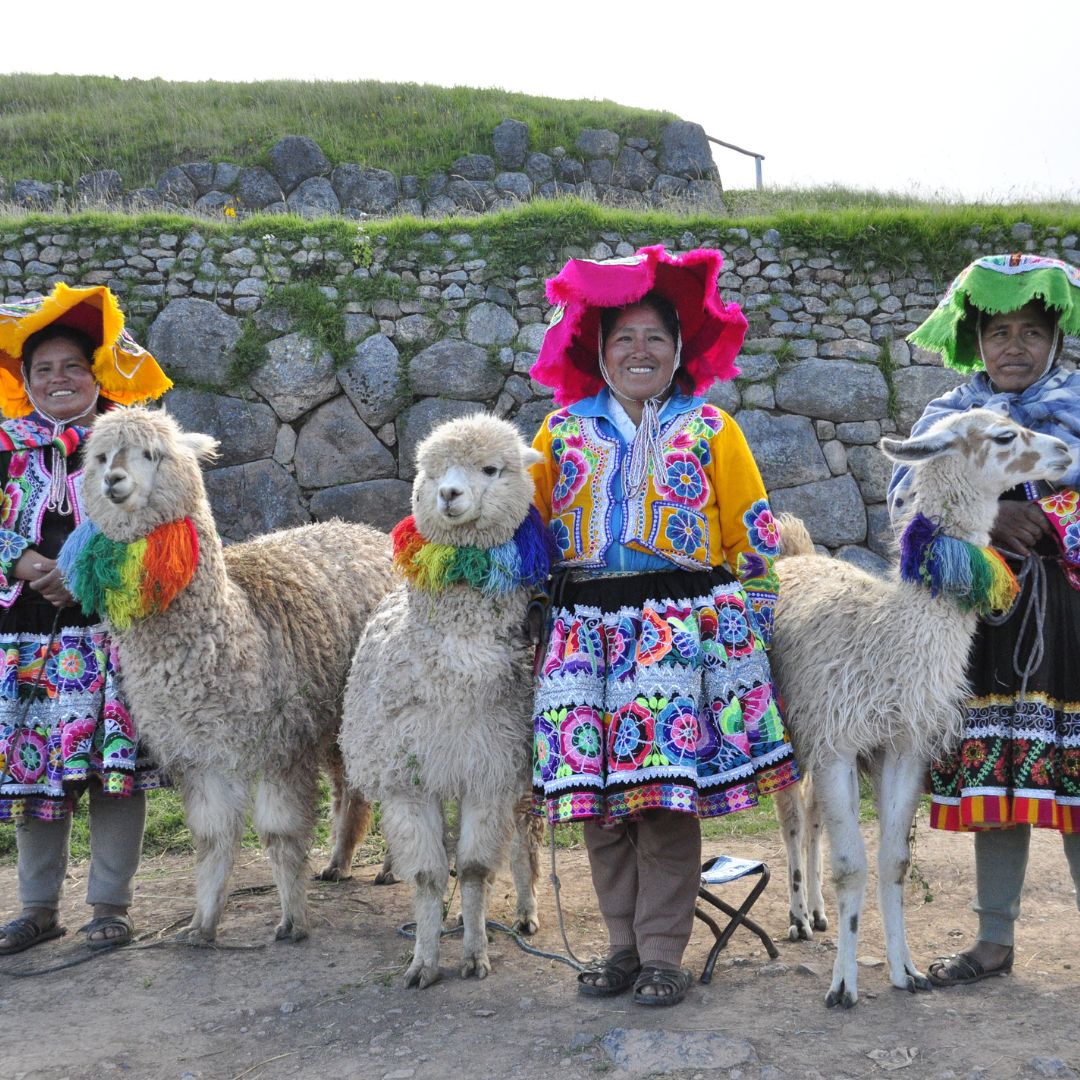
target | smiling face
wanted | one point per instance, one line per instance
(1016, 347)
(61, 381)
(639, 352)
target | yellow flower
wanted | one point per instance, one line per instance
(230, 212)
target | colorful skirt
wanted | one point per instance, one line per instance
(654, 692)
(63, 722)
(1019, 760)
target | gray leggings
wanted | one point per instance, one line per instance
(116, 831)
(1001, 857)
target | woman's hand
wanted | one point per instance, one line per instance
(48, 581)
(1019, 526)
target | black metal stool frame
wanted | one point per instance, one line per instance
(736, 916)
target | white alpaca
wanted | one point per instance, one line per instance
(238, 682)
(872, 673)
(438, 702)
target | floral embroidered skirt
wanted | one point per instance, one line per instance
(63, 722)
(654, 692)
(1019, 760)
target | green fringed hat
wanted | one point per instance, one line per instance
(995, 284)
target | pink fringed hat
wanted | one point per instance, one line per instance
(712, 332)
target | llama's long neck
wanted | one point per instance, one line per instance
(944, 492)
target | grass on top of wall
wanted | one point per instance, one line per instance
(56, 127)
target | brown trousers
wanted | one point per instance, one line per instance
(646, 875)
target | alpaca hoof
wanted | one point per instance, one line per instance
(386, 877)
(819, 921)
(333, 873)
(287, 931)
(479, 966)
(799, 929)
(421, 976)
(844, 998)
(915, 981)
(194, 934)
(526, 925)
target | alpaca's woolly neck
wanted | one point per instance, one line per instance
(974, 578)
(523, 562)
(126, 581)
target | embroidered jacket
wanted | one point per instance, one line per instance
(706, 507)
(26, 491)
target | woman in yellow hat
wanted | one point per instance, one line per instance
(63, 724)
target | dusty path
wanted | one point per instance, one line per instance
(334, 1007)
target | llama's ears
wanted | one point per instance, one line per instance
(204, 447)
(920, 448)
(531, 456)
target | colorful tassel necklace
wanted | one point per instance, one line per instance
(977, 578)
(129, 581)
(523, 562)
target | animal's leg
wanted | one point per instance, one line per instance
(525, 866)
(284, 818)
(413, 826)
(791, 810)
(351, 816)
(214, 806)
(899, 787)
(837, 787)
(814, 899)
(485, 829)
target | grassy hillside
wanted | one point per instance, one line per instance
(56, 127)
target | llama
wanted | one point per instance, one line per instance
(872, 671)
(234, 659)
(438, 701)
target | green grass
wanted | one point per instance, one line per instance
(56, 127)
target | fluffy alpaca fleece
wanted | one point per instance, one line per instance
(239, 682)
(438, 701)
(872, 674)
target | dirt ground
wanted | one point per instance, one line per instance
(334, 1007)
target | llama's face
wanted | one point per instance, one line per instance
(472, 484)
(141, 472)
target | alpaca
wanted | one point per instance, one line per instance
(872, 671)
(438, 701)
(234, 676)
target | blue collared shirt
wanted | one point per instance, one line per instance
(615, 424)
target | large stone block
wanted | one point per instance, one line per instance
(529, 418)
(418, 421)
(835, 390)
(102, 185)
(490, 324)
(32, 194)
(872, 469)
(455, 369)
(373, 380)
(336, 447)
(633, 170)
(194, 339)
(918, 385)
(685, 151)
(257, 189)
(511, 142)
(174, 185)
(785, 448)
(379, 503)
(832, 509)
(375, 191)
(255, 498)
(297, 158)
(597, 143)
(313, 198)
(297, 376)
(474, 167)
(247, 430)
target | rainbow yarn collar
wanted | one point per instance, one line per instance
(129, 581)
(975, 578)
(523, 562)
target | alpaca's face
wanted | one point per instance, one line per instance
(142, 471)
(472, 484)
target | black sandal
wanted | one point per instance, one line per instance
(618, 979)
(675, 982)
(962, 968)
(23, 933)
(109, 922)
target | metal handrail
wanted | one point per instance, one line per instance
(758, 158)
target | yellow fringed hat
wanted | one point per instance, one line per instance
(125, 371)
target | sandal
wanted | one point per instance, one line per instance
(122, 923)
(962, 968)
(23, 933)
(676, 983)
(618, 979)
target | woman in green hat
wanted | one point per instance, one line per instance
(1018, 763)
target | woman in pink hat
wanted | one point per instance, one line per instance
(655, 705)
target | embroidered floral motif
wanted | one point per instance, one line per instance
(573, 471)
(683, 479)
(684, 530)
(1062, 503)
(762, 530)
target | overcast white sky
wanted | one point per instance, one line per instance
(976, 99)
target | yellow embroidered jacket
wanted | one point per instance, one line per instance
(703, 506)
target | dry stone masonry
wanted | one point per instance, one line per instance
(315, 425)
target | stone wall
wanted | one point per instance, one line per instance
(320, 416)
